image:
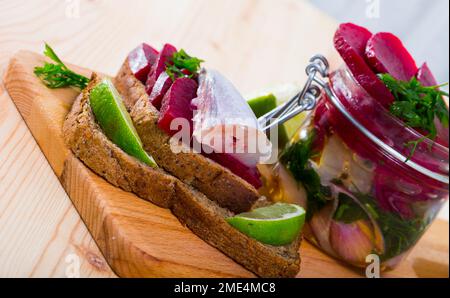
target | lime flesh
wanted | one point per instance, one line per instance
(264, 104)
(277, 225)
(291, 126)
(116, 123)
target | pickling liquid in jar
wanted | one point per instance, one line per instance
(360, 200)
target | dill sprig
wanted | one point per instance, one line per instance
(58, 75)
(413, 146)
(417, 105)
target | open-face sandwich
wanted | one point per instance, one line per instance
(213, 194)
(224, 178)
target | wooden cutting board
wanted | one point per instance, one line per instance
(139, 239)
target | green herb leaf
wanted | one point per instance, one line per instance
(413, 145)
(399, 234)
(348, 211)
(52, 55)
(417, 105)
(58, 75)
(296, 159)
(181, 64)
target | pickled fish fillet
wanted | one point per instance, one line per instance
(224, 122)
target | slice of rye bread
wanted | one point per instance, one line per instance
(210, 178)
(203, 216)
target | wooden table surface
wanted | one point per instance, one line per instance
(255, 43)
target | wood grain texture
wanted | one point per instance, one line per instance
(39, 227)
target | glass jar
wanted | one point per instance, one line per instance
(370, 184)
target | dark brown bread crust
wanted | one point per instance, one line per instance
(215, 181)
(203, 216)
(207, 220)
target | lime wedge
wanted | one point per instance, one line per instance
(264, 104)
(278, 224)
(116, 123)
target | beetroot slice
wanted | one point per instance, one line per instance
(160, 65)
(160, 88)
(141, 59)
(386, 54)
(425, 76)
(353, 36)
(348, 41)
(251, 175)
(177, 104)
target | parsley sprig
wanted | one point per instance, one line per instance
(183, 65)
(417, 105)
(58, 75)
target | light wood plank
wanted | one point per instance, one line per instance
(38, 224)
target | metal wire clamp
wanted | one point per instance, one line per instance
(305, 100)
